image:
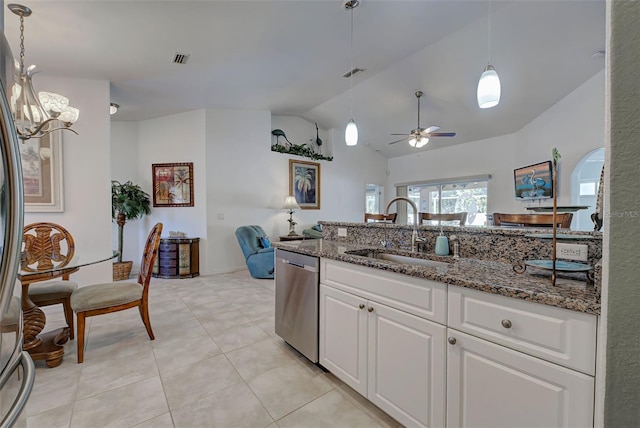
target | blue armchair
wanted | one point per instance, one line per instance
(259, 260)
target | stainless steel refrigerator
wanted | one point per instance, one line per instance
(17, 371)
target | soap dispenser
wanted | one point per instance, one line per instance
(442, 245)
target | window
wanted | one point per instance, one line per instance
(465, 194)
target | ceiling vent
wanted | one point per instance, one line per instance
(180, 58)
(353, 72)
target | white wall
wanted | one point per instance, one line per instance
(176, 138)
(87, 173)
(124, 151)
(575, 125)
(238, 179)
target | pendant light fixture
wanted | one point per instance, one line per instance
(351, 131)
(36, 115)
(489, 84)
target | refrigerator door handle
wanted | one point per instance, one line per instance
(25, 389)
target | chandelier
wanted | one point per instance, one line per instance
(36, 116)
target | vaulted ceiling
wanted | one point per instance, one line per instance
(288, 57)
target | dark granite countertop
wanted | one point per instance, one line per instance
(570, 292)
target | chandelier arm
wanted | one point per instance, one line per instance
(38, 132)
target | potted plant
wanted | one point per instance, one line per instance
(128, 202)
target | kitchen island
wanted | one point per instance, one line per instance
(455, 342)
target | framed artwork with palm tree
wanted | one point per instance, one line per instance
(173, 184)
(304, 183)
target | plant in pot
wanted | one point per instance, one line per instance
(128, 202)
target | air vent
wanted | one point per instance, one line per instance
(180, 58)
(353, 72)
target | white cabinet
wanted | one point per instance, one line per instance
(489, 385)
(343, 336)
(395, 359)
(512, 363)
(525, 374)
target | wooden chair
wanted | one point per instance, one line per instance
(44, 248)
(460, 217)
(532, 220)
(389, 218)
(101, 299)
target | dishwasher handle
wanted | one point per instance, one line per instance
(298, 265)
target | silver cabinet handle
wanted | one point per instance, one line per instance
(370, 309)
(452, 340)
(506, 323)
(361, 306)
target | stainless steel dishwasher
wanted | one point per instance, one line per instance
(297, 294)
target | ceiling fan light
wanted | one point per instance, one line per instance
(351, 133)
(413, 141)
(422, 142)
(489, 88)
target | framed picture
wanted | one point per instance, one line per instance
(304, 183)
(172, 184)
(534, 181)
(42, 173)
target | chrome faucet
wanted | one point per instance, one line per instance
(414, 235)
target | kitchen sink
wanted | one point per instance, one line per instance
(420, 260)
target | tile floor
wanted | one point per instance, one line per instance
(216, 362)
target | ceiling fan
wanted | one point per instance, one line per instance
(419, 137)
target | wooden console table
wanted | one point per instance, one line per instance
(177, 258)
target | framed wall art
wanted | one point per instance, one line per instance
(172, 184)
(304, 183)
(42, 173)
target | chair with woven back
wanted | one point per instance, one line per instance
(563, 220)
(389, 218)
(461, 218)
(47, 246)
(116, 296)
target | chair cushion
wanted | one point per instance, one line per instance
(100, 296)
(52, 287)
(265, 242)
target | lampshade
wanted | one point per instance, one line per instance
(351, 133)
(290, 203)
(421, 142)
(489, 88)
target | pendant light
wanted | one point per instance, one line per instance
(489, 84)
(351, 131)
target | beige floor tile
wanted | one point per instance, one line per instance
(216, 322)
(368, 407)
(123, 407)
(286, 388)
(53, 387)
(187, 384)
(268, 324)
(258, 358)
(190, 351)
(174, 334)
(162, 421)
(204, 310)
(238, 337)
(60, 417)
(330, 410)
(235, 406)
(102, 375)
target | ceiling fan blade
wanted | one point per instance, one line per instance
(408, 135)
(431, 129)
(402, 139)
(442, 134)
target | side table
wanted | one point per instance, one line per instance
(177, 258)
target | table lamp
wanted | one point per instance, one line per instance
(291, 204)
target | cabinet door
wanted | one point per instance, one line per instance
(489, 385)
(406, 366)
(343, 336)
